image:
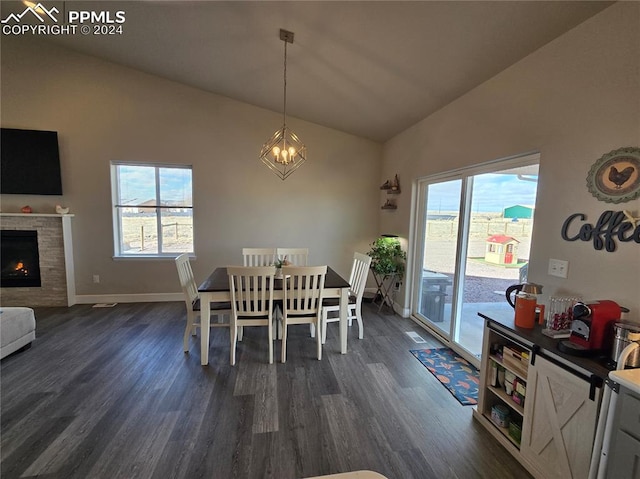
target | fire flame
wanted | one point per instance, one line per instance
(20, 267)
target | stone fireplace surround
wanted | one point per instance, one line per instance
(56, 261)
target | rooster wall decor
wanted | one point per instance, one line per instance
(615, 178)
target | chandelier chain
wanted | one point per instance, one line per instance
(284, 108)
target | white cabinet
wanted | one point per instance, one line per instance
(560, 411)
(560, 421)
(497, 394)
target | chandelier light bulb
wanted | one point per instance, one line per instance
(276, 151)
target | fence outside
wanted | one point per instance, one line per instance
(140, 234)
(480, 228)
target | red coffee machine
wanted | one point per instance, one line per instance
(591, 328)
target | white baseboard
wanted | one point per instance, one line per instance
(404, 312)
(129, 298)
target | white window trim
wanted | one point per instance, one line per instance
(115, 183)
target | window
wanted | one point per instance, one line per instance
(152, 209)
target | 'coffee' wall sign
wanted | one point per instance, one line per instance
(610, 226)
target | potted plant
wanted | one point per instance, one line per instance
(387, 256)
(279, 263)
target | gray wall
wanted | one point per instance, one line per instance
(105, 112)
(573, 100)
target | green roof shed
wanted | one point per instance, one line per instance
(518, 211)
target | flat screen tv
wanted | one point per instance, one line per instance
(30, 162)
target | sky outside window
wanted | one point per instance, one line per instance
(138, 185)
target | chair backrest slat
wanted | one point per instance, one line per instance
(251, 289)
(303, 288)
(258, 256)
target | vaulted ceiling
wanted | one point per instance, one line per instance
(368, 68)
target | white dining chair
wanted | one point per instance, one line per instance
(192, 301)
(302, 304)
(258, 256)
(295, 256)
(263, 257)
(358, 281)
(251, 301)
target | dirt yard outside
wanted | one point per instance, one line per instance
(140, 234)
(483, 280)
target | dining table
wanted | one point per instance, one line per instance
(216, 289)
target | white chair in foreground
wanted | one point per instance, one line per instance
(358, 281)
(258, 256)
(192, 301)
(302, 303)
(295, 256)
(251, 301)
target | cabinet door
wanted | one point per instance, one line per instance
(559, 421)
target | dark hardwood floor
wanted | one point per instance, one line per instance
(109, 393)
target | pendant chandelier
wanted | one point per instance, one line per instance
(283, 153)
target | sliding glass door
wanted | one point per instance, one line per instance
(439, 251)
(473, 235)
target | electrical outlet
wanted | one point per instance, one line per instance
(558, 267)
(96, 278)
(397, 286)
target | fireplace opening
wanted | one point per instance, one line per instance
(19, 259)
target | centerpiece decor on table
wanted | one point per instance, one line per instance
(279, 263)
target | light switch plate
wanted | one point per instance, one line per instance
(558, 267)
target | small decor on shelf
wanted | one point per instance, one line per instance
(395, 185)
(392, 186)
(389, 205)
(26, 209)
(62, 210)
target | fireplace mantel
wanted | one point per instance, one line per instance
(56, 247)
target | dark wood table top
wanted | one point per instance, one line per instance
(219, 281)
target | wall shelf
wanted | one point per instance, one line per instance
(392, 187)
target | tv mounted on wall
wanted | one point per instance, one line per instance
(30, 162)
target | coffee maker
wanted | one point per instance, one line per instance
(591, 328)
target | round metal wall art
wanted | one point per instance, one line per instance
(615, 178)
